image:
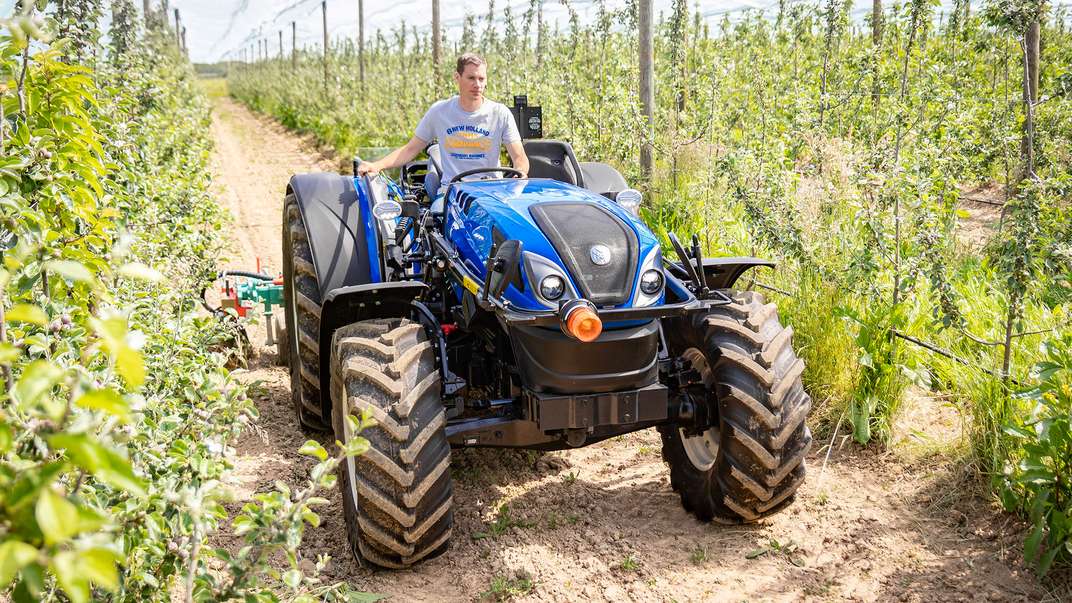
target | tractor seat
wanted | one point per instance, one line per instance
(434, 175)
(553, 159)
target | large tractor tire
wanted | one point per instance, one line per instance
(751, 464)
(396, 496)
(301, 301)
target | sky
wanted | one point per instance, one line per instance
(219, 29)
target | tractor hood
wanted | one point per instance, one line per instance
(599, 249)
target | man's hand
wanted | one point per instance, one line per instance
(395, 158)
(368, 167)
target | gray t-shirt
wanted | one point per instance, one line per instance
(467, 140)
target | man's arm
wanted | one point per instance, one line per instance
(518, 157)
(398, 158)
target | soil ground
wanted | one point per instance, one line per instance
(601, 523)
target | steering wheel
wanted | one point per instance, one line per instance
(508, 171)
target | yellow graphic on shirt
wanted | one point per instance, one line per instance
(466, 143)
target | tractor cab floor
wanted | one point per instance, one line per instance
(601, 523)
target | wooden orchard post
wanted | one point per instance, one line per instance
(178, 29)
(324, 12)
(293, 45)
(361, 40)
(647, 85)
(436, 50)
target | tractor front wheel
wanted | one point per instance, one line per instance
(397, 495)
(750, 464)
(301, 306)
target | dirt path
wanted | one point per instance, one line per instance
(601, 523)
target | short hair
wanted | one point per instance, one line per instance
(469, 58)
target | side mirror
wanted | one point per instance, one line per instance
(502, 268)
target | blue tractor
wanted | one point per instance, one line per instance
(535, 313)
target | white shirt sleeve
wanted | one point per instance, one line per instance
(510, 134)
(426, 127)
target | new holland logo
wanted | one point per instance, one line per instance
(600, 255)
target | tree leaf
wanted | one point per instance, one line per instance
(8, 353)
(56, 516)
(1031, 545)
(141, 272)
(14, 555)
(107, 400)
(71, 270)
(36, 381)
(757, 553)
(27, 313)
(314, 449)
(292, 578)
(68, 571)
(128, 361)
(102, 462)
(360, 597)
(98, 566)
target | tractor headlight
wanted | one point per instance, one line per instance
(651, 282)
(630, 199)
(387, 210)
(552, 287)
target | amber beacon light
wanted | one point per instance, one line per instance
(580, 321)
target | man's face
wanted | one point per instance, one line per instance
(472, 81)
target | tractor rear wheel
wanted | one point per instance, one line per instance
(301, 305)
(750, 465)
(397, 496)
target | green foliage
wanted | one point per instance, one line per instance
(116, 414)
(1040, 484)
(504, 522)
(505, 589)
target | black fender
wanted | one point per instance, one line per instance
(333, 219)
(722, 273)
(346, 305)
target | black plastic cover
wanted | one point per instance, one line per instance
(573, 229)
(333, 220)
(549, 361)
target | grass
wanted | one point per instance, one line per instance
(699, 555)
(505, 589)
(215, 87)
(504, 522)
(629, 564)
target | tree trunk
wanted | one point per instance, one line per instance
(1032, 42)
(647, 86)
(178, 29)
(293, 46)
(1030, 96)
(147, 13)
(436, 38)
(876, 42)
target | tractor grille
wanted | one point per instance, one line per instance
(573, 229)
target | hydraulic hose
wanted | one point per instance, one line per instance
(246, 274)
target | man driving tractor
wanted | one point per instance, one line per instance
(468, 127)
